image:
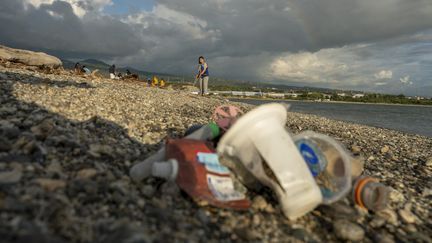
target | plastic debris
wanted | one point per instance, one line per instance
(261, 143)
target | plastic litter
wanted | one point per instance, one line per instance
(329, 163)
(369, 193)
(195, 167)
(142, 170)
(225, 116)
(255, 149)
(260, 142)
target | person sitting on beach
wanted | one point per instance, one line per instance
(155, 81)
(149, 82)
(77, 68)
(128, 73)
(112, 72)
(162, 83)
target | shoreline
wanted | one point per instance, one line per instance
(323, 102)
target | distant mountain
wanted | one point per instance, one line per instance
(95, 62)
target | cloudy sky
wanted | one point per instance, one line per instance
(370, 45)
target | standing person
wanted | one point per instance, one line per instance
(112, 72)
(203, 75)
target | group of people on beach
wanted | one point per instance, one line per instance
(202, 76)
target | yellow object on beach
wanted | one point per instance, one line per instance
(162, 83)
(155, 81)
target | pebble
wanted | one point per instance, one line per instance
(51, 184)
(203, 216)
(346, 230)
(427, 192)
(377, 222)
(385, 149)
(356, 149)
(259, 203)
(86, 173)
(429, 162)
(383, 238)
(407, 216)
(10, 177)
(389, 215)
(396, 196)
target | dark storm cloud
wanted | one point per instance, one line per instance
(55, 27)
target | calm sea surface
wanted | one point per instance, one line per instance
(409, 119)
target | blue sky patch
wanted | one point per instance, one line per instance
(129, 6)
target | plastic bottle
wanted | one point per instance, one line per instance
(196, 170)
(260, 142)
(369, 193)
(329, 163)
(142, 170)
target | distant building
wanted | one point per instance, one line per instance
(356, 96)
(248, 93)
(327, 96)
(342, 94)
(276, 95)
(237, 93)
(292, 95)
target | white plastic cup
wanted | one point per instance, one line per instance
(260, 141)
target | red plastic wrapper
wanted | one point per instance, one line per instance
(201, 177)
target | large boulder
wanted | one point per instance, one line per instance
(29, 58)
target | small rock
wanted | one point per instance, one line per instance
(396, 196)
(385, 149)
(141, 203)
(407, 216)
(427, 192)
(10, 177)
(148, 191)
(355, 149)
(347, 230)
(170, 188)
(256, 220)
(377, 222)
(259, 203)
(246, 234)
(429, 162)
(202, 216)
(5, 145)
(383, 238)
(55, 167)
(97, 150)
(50, 184)
(86, 173)
(43, 129)
(389, 215)
(410, 228)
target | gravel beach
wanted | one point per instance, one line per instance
(67, 143)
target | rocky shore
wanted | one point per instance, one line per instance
(67, 143)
